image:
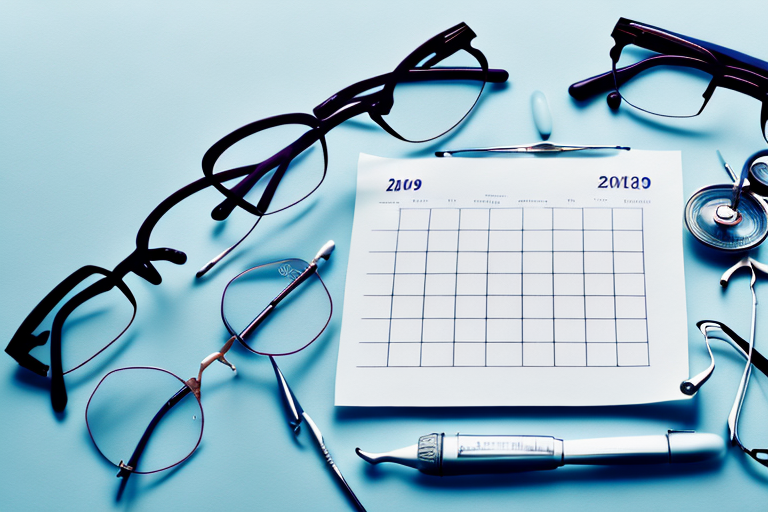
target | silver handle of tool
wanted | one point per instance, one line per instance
(438, 454)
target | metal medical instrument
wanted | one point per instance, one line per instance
(692, 385)
(732, 217)
(296, 415)
(439, 454)
(541, 147)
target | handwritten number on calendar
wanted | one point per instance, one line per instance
(398, 185)
(629, 182)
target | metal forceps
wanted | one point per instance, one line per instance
(297, 415)
(692, 385)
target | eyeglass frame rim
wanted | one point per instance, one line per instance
(187, 389)
(139, 262)
(347, 104)
(717, 60)
(193, 385)
(292, 285)
(734, 70)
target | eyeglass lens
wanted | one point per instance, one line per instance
(423, 110)
(288, 326)
(93, 325)
(304, 174)
(125, 403)
(662, 89)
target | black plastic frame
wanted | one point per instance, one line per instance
(338, 108)
(342, 106)
(729, 69)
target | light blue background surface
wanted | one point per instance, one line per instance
(106, 109)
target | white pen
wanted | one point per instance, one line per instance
(438, 454)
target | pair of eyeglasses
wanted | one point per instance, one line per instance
(745, 426)
(145, 420)
(428, 94)
(276, 163)
(672, 75)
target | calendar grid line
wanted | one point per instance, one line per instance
(525, 286)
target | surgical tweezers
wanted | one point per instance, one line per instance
(296, 414)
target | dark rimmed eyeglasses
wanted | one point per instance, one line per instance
(672, 75)
(97, 300)
(146, 419)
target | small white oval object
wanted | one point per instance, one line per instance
(541, 115)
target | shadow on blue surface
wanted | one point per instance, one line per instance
(686, 412)
(586, 474)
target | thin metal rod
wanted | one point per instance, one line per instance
(728, 168)
(541, 147)
(208, 266)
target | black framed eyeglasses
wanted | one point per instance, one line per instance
(275, 163)
(428, 94)
(672, 75)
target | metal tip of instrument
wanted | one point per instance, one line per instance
(325, 251)
(408, 456)
(371, 458)
(208, 266)
(728, 168)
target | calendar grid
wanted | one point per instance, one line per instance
(525, 286)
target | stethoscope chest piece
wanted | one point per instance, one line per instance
(710, 218)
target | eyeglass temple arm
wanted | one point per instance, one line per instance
(140, 263)
(23, 341)
(341, 101)
(723, 54)
(58, 388)
(193, 385)
(605, 82)
(324, 253)
(128, 468)
(281, 160)
(145, 231)
(225, 208)
(351, 94)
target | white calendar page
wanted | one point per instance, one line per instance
(515, 281)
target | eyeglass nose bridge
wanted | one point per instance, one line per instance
(217, 356)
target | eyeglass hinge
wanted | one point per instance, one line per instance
(124, 468)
